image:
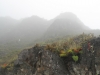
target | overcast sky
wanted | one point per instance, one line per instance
(88, 11)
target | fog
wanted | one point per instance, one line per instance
(24, 23)
(88, 11)
(27, 22)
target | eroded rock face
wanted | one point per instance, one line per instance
(38, 61)
(90, 58)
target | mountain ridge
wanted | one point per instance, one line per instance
(28, 30)
(65, 23)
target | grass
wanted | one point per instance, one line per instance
(60, 44)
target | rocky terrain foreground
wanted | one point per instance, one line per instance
(40, 60)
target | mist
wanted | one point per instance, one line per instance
(48, 26)
(87, 11)
(24, 23)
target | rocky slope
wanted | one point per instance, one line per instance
(40, 60)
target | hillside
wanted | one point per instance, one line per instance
(16, 35)
(6, 25)
(66, 24)
(28, 29)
